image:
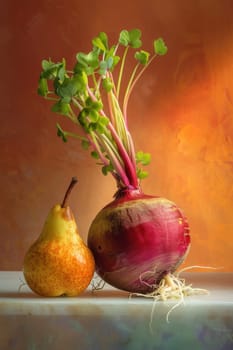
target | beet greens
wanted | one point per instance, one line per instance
(79, 94)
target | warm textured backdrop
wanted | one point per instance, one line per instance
(181, 112)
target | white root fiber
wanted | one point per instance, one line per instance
(171, 287)
(97, 284)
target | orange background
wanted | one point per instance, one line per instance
(181, 112)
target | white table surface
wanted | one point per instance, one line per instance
(109, 319)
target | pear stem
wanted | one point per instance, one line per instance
(73, 182)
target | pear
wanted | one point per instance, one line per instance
(59, 263)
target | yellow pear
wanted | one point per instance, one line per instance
(59, 262)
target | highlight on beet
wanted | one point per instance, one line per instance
(138, 240)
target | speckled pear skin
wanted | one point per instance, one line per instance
(59, 263)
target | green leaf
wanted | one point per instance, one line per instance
(124, 38)
(42, 87)
(83, 78)
(101, 128)
(70, 87)
(94, 155)
(97, 105)
(85, 144)
(103, 67)
(88, 62)
(66, 90)
(50, 69)
(61, 72)
(160, 47)
(61, 108)
(141, 174)
(116, 59)
(45, 64)
(110, 62)
(93, 126)
(61, 133)
(142, 56)
(143, 158)
(106, 65)
(84, 113)
(130, 38)
(103, 121)
(93, 115)
(101, 41)
(79, 68)
(134, 36)
(111, 58)
(107, 168)
(82, 118)
(107, 84)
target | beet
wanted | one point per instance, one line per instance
(137, 239)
